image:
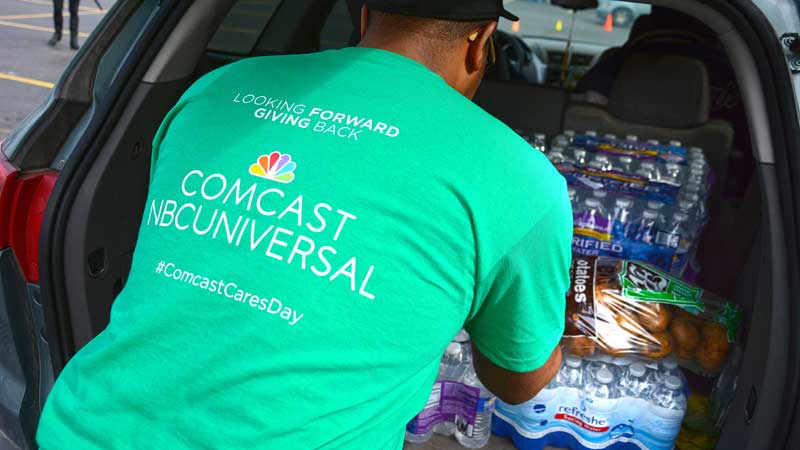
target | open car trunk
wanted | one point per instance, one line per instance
(747, 253)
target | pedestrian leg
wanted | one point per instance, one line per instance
(58, 22)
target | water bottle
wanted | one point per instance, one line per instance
(452, 368)
(610, 136)
(674, 170)
(570, 380)
(556, 157)
(477, 435)
(667, 407)
(632, 138)
(695, 153)
(580, 155)
(601, 362)
(654, 142)
(540, 142)
(675, 234)
(591, 133)
(570, 135)
(675, 143)
(652, 380)
(601, 396)
(632, 380)
(626, 164)
(603, 162)
(648, 227)
(650, 168)
(621, 217)
(573, 195)
(593, 216)
(600, 195)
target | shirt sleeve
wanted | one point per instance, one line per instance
(520, 317)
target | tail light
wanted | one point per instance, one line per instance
(23, 198)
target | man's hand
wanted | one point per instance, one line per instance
(515, 387)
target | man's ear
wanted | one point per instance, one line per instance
(364, 20)
(476, 52)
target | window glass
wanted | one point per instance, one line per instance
(239, 31)
(546, 29)
(338, 28)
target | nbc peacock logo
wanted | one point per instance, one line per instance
(276, 166)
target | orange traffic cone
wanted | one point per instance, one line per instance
(609, 26)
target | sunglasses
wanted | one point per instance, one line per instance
(492, 57)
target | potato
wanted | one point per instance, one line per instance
(685, 335)
(713, 348)
(578, 345)
(662, 346)
(654, 317)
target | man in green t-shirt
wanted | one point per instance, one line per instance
(318, 228)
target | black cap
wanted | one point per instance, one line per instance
(458, 10)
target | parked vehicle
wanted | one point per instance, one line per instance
(74, 179)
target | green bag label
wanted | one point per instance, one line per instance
(643, 283)
(731, 318)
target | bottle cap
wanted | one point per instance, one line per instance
(649, 214)
(570, 133)
(592, 202)
(669, 364)
(685, 205)
(539, 136)
(573, 361)
(599, 193)
(580, 152)
(591, 133)
(601, 157)
(623, 202)
(695, 151)
(610, 136)
(625, 159)
(672, 167)
(632, 137)
(680, 217)
(595, 164)
(637, 370)
(604, 376)
(655, 204)
(556, 149)
(453, 348)
(647, 165)
(462, 336)
(672, 382)
(571, 191)
(675, 143)
(653, 142)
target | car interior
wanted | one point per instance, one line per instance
(699, 84)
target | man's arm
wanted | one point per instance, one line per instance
(515, 387)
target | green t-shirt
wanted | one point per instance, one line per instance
(318, 228)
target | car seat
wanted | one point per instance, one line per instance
(660, 97)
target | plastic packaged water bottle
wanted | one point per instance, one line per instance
(602, 395)
(580, 156)
(593, 215)
(675, 234)
(626, 164)
(591, 133)
(571, 373)
(602, 362)
(621, 216)
(648, 227)
(573, 195)
(540, 142)
(477, 435)
(452, 368)
(667, 407)
(632, 380)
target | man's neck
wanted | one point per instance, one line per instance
(409, 51)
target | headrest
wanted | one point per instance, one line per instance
(661, 90)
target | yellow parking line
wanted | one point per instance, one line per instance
(46, 15)
(40, 83)
(34, 27)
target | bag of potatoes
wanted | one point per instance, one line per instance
(630, 308)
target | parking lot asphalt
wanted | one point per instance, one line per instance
(28, 67)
